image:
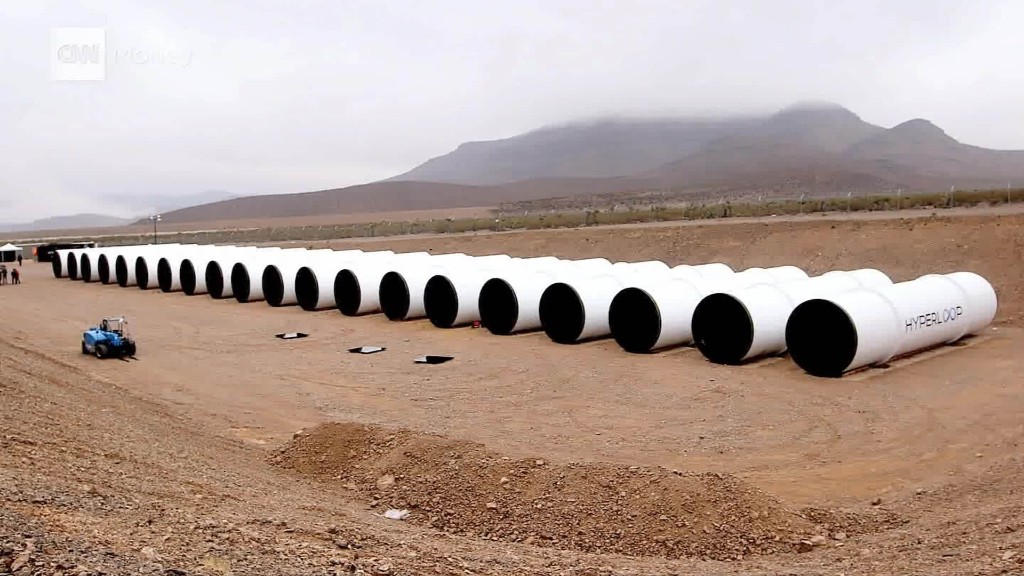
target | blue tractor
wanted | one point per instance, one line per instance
(108, 339)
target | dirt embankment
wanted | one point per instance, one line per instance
(463, 488)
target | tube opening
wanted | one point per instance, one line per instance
(72, 267)
(86, 268)
(394, 296)
(103, 269)
(164, 275)
(307, 289)
(499, 307)
(273, 286)
(635, 320)
(821, 338)
(441, 302)
(142, 273)
(240, 282)
(561, 313)
(187, 277)
(121, 271)
(214, 280)
(722, 329)
(57, 266)
(348, 295)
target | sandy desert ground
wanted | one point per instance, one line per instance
(520, 456)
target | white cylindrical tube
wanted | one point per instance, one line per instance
(452, 298)
(577, 309)
(314, 283)
(247, 273)
(124, 263)
(106, 262)
(280, 277)
(733, 326)
(219, 270)
(192, 272)
(510, 302)
(657, 315)
(169, 266)
(401, 291)
(830, 336)
(357, 286)
(148, 261)
(57, 263)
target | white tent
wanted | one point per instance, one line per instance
(9, 252)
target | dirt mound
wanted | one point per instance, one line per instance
(462, 488)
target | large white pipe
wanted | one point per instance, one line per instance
(218, 270)
(193, 269)
(314, 282)
(733, 326)
(655, 315)
(75, 260)
(509, 303)
(830, 336)
(357, 286)
(148, 261)
(88, 268)
(401, 291)
(105, 263)
(453, 299)
(247, 273)
(278, 278)
(57, 263)
(168, 268)
(576, 309)
(124, 263)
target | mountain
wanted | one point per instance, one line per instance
(597, 149)
(815, 148)
(165, 202)
(67, 223)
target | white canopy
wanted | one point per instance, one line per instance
(9, 252)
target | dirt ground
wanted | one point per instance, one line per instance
(520, 456)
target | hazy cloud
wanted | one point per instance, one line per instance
(260, 96)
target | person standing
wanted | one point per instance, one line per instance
(3, 275)
(19, 260)
(15, 276)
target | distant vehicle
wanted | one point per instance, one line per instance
(110, 338)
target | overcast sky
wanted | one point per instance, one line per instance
(257, 97)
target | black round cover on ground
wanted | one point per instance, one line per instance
(499, 307)
(348, 295)
(635, 320)
(441, 302)
(394, 296)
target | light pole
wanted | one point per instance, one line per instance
(154, 219)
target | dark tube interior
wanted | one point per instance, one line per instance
(86, 268)
(214, 280)
(307, 289)
(142, 273)
(561, 313)
(240, 282)
(821, 338)
(103, 269)
(394, 296)
(121, 271)
(164, 275)
(441, 301)
(273, 286)
(72, 267)
(347, 293)
(499, 307)
(187, 277)
(722, 329)
(57, 266)
(635, 320)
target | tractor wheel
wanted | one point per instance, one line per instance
(84, 349)
(101, 351)
(129, 349)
